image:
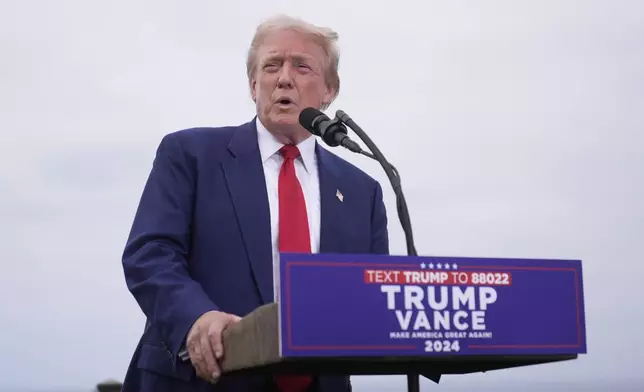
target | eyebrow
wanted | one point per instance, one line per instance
(296, 56)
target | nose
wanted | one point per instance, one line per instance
(285, 79)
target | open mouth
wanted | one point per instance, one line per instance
(284, 102)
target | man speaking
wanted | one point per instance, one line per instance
(221, 203)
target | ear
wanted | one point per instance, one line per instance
(329, 94)
(253, 89)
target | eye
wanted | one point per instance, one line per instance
(271, 67)
(303, 68)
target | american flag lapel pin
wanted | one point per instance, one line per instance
(339, 195)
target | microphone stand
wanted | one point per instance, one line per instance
(413, 382)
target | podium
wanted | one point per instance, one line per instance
(377, 314)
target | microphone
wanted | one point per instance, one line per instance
(413, 381)
(332, 132)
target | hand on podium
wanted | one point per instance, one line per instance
(205, 344)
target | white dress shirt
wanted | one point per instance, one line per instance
(306, 170)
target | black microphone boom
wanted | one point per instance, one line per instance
(394, 178)
(332, 132)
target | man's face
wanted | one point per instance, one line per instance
(289, 78)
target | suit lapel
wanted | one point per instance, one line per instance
(332, 209)
(245, 178)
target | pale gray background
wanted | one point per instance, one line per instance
(517, 127)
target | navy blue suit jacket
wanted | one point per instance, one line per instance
(201, 241)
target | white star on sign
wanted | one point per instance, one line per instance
(422, 265)
(454, 266)
(431, 266)
(439, 266)
(446, 266)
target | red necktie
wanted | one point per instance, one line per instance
(293, 236)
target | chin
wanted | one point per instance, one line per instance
(286, 119)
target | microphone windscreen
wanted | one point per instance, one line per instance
(307, 119)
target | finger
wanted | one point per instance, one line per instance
(214, 336)
(196, 357)
(210, 362)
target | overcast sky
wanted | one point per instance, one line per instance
(517, 127)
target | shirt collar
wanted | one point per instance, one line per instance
(269, 146)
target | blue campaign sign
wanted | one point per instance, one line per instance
(376, 305)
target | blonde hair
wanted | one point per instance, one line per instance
(324, 36)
